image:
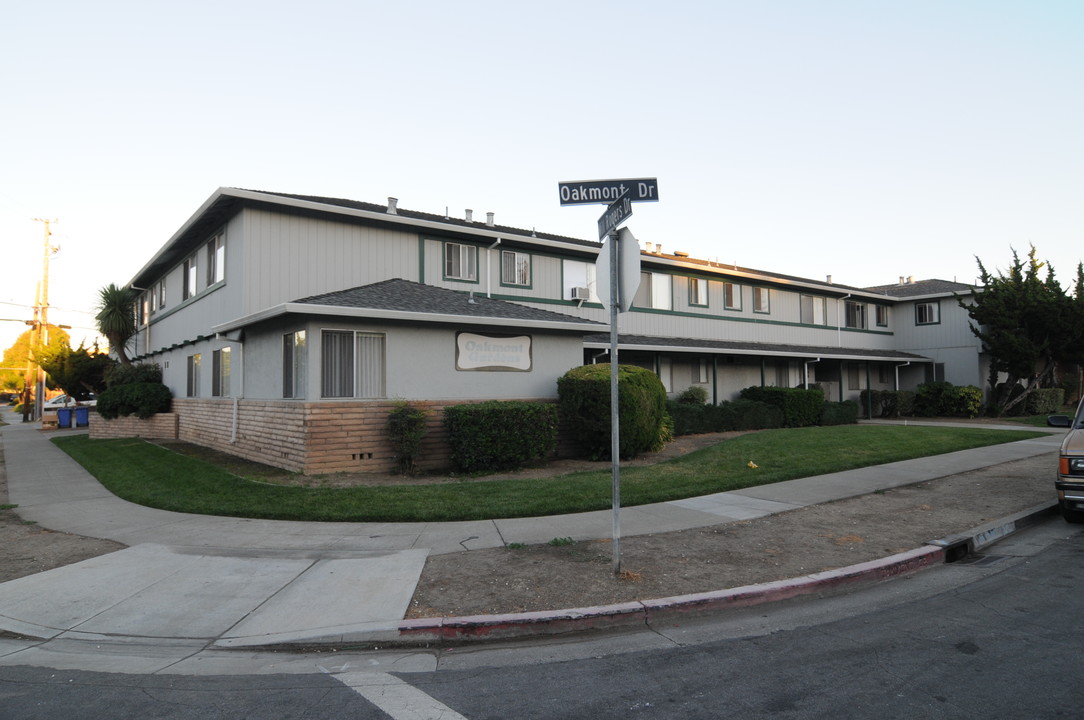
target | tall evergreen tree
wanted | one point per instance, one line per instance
(1026, 323)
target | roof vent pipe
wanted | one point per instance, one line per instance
(489, 219)
(393, 204)
(829, 279)
(470, 215)
(903, 280)
(658, 248)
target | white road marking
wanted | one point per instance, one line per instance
(399, 699)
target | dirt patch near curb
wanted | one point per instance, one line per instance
(787, 545)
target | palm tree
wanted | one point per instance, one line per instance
(116, 318)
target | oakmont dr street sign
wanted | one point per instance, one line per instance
(605, 192)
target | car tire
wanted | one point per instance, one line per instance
(1071, 515)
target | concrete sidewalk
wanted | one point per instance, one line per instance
(192, 580)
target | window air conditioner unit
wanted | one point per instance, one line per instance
(581, 293)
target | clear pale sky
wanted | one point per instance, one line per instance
(863, 140)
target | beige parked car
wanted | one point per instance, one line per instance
(1070, 482)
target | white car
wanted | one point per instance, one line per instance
(63, 401)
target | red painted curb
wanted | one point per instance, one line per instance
(477, 628)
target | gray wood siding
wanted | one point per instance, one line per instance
(291, 257)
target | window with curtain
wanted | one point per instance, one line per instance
(515, 268)
(460, 262)
(352, 364)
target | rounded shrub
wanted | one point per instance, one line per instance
(139, 399)
(584, 394)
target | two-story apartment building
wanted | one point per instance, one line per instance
(287, 325)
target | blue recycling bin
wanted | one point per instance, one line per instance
(64, 417)
(82, 416)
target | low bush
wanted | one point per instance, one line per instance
(839, 413)
(139, 399)
(406, 428)
(693, 395)
(1045, 401)
(584, 394)
(801, 407)
(133, 374)
(727, 416)
(500, 435)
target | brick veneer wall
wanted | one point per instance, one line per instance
(306, 437)
(160, 426)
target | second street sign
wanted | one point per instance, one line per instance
(618, 212)
(606, 192)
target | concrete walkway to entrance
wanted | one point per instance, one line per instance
(194, 580)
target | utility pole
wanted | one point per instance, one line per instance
(39, 335)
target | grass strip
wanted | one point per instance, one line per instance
(150, 475)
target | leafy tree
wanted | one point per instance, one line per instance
(1027, 324)
(116, 318)
(78, 372)
(20, 353)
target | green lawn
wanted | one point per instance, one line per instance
(150, 475)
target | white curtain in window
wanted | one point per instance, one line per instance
(337, 364)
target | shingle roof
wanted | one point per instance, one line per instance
(407, 296)
(431, 217)
(921, 287)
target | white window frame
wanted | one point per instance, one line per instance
(520, 275)
(216, 259)
(194, 363)
(656, 291)
(932, 308)
(294, 364)
(460, 262)
(762, 300)
(221, 367)
(814, 310)
(698, 292)
(356, 378)
(577, 274)
(854, 315)
(189, 277)
(731, 296)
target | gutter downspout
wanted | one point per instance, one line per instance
(489, 274)
(897, 369)
(805, 372)
(839, 322)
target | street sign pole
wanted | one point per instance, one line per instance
(618, 196)
(615, 415)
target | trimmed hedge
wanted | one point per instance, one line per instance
(839, 413)
(1045, 401)
(500, 435)
(406, 428)
(943, 399)
(800, 407)
(139, 399)
(584, 394)
(725, 417)
(133, 374)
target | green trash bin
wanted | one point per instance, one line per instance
(64, 417)
(82, 416)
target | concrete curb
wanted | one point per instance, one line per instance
(451, 631)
